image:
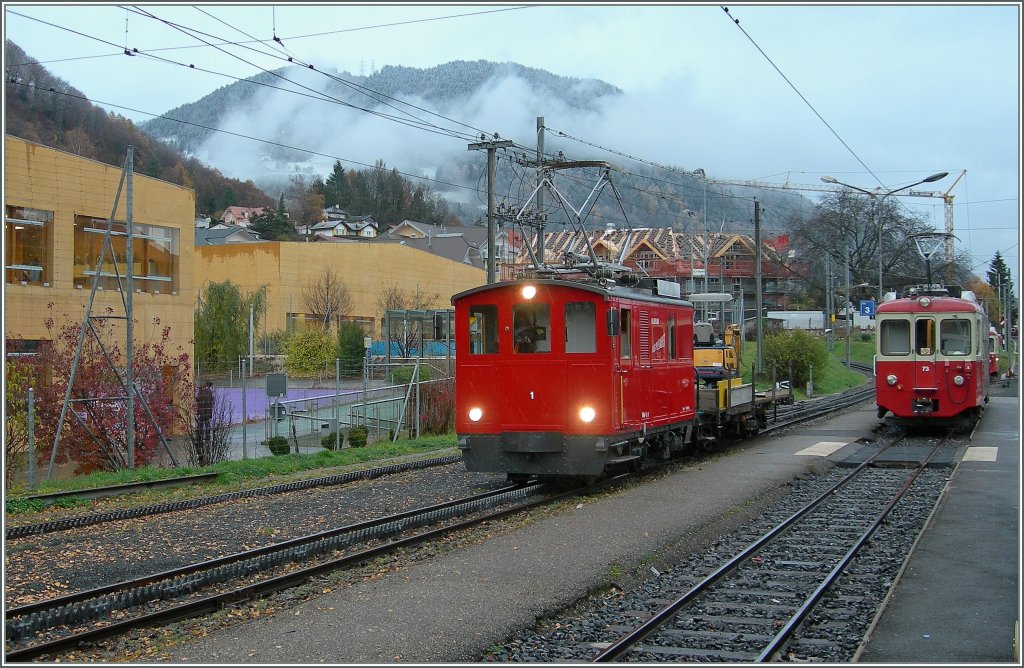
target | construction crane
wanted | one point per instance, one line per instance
(946, 197)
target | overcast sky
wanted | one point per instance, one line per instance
(876, 96)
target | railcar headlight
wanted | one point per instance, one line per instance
(891, 379)
(958, 380)
(924, 302)
(529, 291)
(475, 414)
(587, 414)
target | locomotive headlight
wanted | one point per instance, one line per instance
(587, 414)
(529, 291)
(891, 379)
(958, 380)
(475, 414)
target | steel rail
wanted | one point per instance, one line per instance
(791, 626)
(80, 521)
(624, 644)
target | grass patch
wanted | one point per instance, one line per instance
(231, 474)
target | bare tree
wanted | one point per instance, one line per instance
(208, 444)
(327, 296)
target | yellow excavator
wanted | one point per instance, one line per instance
(716, 359)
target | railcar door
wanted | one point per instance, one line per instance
(925, 373)
(625, 368)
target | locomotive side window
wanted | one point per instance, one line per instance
(672, 338)
(895, 337)
(924, 336)
(625, 351)
(580, 327)
(955, 337)
(530, 324)
(483, 330)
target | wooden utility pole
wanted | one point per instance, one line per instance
(757, 280)
(490, 146)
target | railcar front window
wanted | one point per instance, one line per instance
(924, 336)
(531, 324)
(483, 330)
(895, 337)
(955, 337)
(580, 327)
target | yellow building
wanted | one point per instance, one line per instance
(365, 268)
(56, 206)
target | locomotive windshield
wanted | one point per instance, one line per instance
(531, 323)
(483, 329)
(580, 327)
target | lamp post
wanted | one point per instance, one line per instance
(874, 194)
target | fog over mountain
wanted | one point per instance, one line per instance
(299, 120)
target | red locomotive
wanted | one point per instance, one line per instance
(566, 379)
(932, 361)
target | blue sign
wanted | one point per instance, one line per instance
(867, 307)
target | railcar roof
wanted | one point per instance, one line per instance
(938, 305)
(606, 291)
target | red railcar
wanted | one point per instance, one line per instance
(995, 342)
(932, 361)
(563, 379)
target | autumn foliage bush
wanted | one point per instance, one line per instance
(94, 434)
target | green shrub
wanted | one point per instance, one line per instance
(357, 436)
(331, 440)
(278, 445)
(403, 375)
(794, 350)
(866, 336)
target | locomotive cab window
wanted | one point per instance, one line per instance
(895, 337)
(955, 337)
(531, 324)
(625, 351)
(483, 330)
(924, 336)
(580, 327)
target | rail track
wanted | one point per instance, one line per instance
(20, 531)
(58, 624)
(775, 599)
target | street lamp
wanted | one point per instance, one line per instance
(874, 194)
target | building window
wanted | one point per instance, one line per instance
(154, 255)
(28, 236)
(645, 259)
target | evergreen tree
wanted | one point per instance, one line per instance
(272, 226)
(336, 189)
(999, 274)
